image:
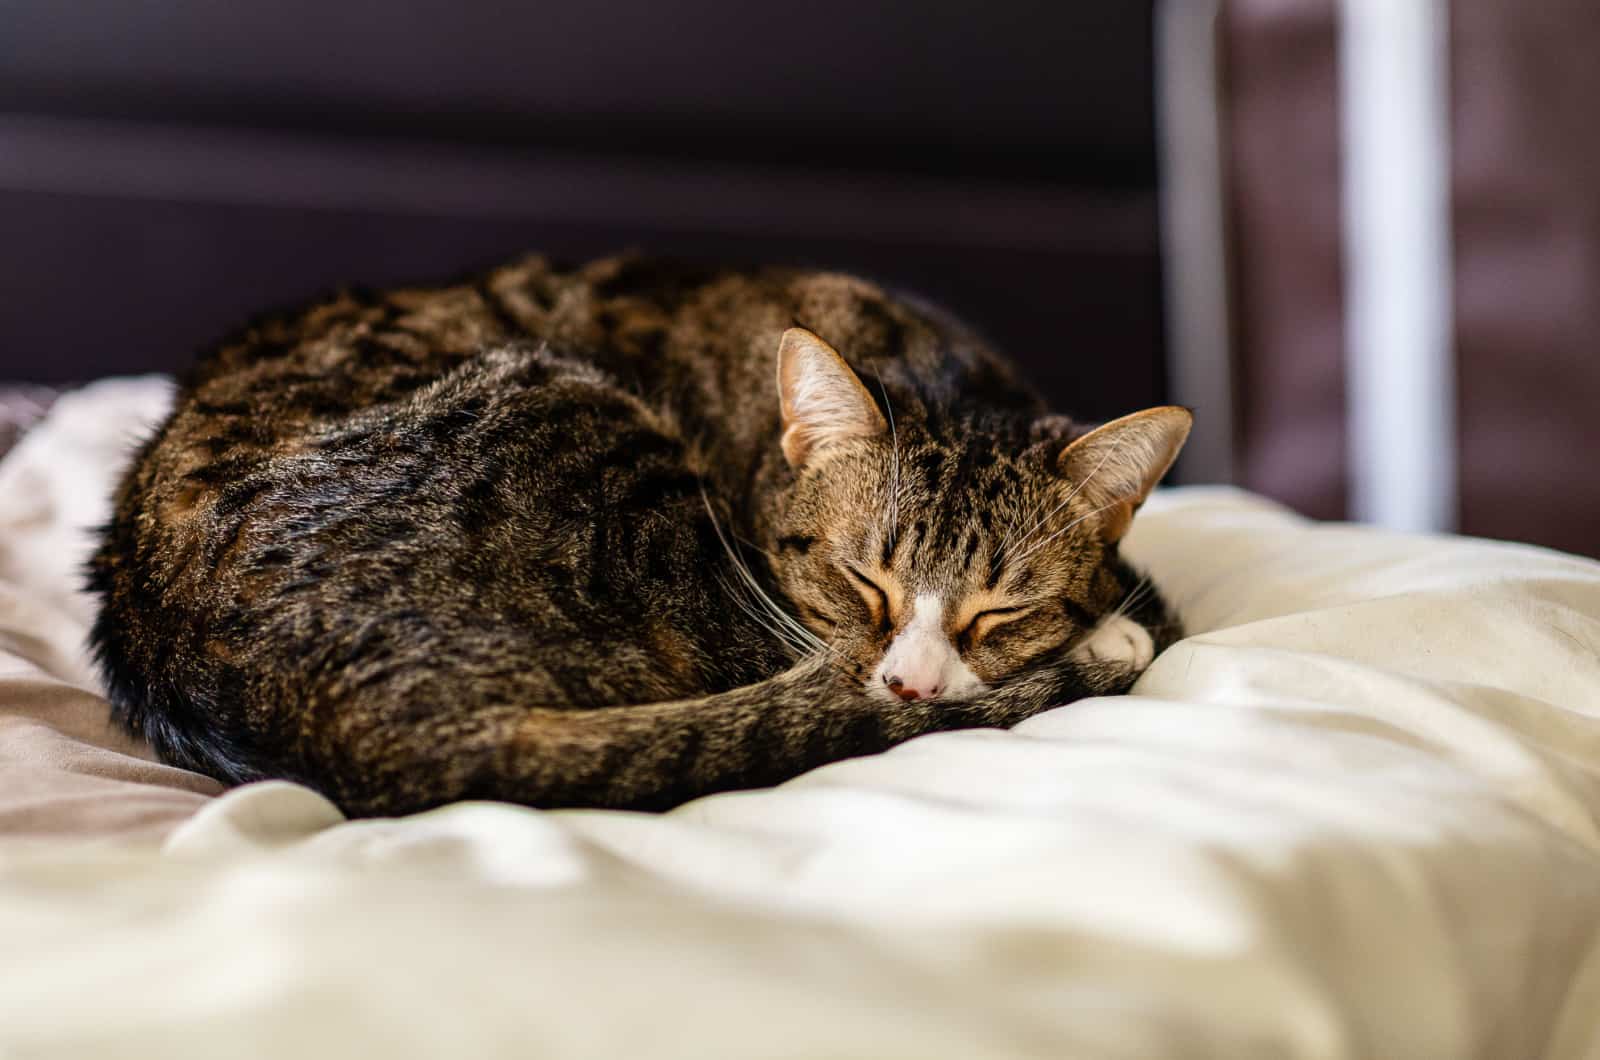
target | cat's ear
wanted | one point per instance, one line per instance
(823, 401)
(1117, 465)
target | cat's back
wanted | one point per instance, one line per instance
(383, 479)
(375, 528)
(701, 339)
(387, 401)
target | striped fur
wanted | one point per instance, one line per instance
(533, 537)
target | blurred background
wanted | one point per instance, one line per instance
(1360, 237)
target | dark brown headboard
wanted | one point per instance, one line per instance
(166, 170)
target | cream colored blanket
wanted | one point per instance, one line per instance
(1353, 815)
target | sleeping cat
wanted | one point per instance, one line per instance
(615, 536)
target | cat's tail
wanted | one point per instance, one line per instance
(642, 757)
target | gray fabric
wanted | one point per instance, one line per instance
(66, 771)
(20, 408)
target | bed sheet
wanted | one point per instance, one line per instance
(1352, 814)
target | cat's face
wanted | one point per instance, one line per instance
(935, 569)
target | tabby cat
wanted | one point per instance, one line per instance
(617, 536)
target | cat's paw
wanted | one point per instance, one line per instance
(1117, 642)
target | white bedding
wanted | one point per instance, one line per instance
(1354, 814)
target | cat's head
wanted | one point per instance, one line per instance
(938, 567)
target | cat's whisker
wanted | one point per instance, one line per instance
(1075, 491)
(1005, 538)
(1146, 589)
(894, 467)
(805, 643)
(1133, 597)
(751, 605)
(1087, 515)
(778, 620)
(1034, 548)
(796, 651)
(831, 656)
(747, 580)
(774, 618)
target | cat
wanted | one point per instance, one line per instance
(616, 535)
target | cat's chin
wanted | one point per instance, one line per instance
(877, 691)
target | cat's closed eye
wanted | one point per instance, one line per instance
(984, 621)
(874, 595)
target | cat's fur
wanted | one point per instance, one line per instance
(485, 540)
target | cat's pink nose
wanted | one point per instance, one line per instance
(901, 689)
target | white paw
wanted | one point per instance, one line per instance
(1119, 642)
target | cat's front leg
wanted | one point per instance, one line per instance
(1111, 656)
(1106, 661)
(1118, 641)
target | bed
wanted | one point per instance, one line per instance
(1356, 813)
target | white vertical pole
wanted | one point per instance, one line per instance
(1394, 96)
